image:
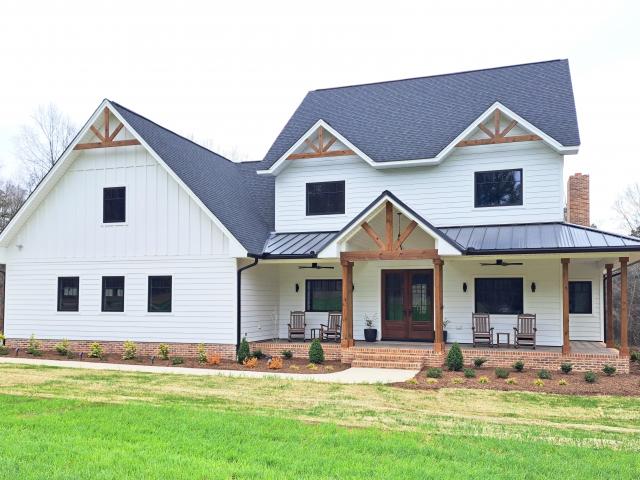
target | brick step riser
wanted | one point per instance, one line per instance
(399, 365)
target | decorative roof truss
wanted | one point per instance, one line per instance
(106, 137)
(320, 147)
(497, 135)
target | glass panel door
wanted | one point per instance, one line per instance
(421, 318)
(393, 304)
(407, 305)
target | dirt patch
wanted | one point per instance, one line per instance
(294, 365)
(568, 384)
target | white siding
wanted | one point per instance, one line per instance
(260, 301)
(165, 233)
(585, 326)
(443, 194)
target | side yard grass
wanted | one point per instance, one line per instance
(63, 423)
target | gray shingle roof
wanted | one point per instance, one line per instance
(417, 118)
(537, 238)
(242, 200)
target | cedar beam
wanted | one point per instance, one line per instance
(490, 141)
(115, 132)
(405, 234)
(486, 130)
(333, 153)
(609, 306)
(106, 123)
(624, 308)
(328, 145)
(347, 304)
(438, 343)
(107, 144)
(97, 133)
(496, 123)
(414, 254)
(508, 128)
(566, 343)
(311, 145)
(374, 236)
(388, 207)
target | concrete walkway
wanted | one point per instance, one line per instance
(350, 375)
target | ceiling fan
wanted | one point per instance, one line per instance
(315, 266)
(500, 263)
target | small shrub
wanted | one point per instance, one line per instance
(518, 366)
(412, 381)
(4, 350)
(562, 382)
(288, 354)
(502, 373)
(163, 351)
(243, 352)
(478, 362)
(566, 367)
(214, 359)
(250, 362)
(177, 361)
(511, 381)
(544, 374)
(275, 363)
(328, 368)
(294, 367)
(63, 347)
(201, 354)
(316, 353)
(3, 338)
(432, 381)
(538, 382)
(434, 373)
(129, 350)
(455, 360)
(635, 356)
(34, 346)
(483, 379)
(457, 380)
(96, 350)
(609, 370)
(590, 377)
(469, 372)
(258, 354)
(312, 366)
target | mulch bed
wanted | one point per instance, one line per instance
(294, 365)
(618, 384)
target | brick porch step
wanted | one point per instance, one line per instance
(386, 364)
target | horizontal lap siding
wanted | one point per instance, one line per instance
(588, 326)
(443, 194)
(260, 302)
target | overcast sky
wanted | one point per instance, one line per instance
(231, 73)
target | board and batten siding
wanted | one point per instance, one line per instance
(165, 233)
(443, 194)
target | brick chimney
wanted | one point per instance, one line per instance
(578, 200)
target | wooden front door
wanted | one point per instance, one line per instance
(407, 305)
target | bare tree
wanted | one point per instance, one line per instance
(628, 208)
(12, 196)
(42, 141)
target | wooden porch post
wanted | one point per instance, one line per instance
(566, 343)
(624, 308)
(609, 305)
(347, 304)
(438, 344)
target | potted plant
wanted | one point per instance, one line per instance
(370, 333)
(444, 330)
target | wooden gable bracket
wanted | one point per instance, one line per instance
(497, 136)
(388, 244)
(106, 137)
(320, 148)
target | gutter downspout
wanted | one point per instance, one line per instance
(239, 298)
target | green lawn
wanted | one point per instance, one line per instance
(63, 423)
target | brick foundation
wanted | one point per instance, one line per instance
(143, 348)
(332, 351)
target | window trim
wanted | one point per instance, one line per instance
(307, 291)
(59, 299)
(149, 310)
(475, 292)
(344, 194)
(103, 296)
(511, 205)
(590, 282)
(114, 222)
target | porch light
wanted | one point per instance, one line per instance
(297, 287)
(533, 287)
(464, 287)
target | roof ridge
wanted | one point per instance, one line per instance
(462, 72)
(170, 131)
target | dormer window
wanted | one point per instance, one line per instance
(114, 205)
(325, 198)
(498, 188)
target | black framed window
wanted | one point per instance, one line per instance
(580, 297)
(498, 188)
(323, 295)
(159, 294)
(114, 205)
(113, 294)
(500, 296)
(325, 198)
(68, 294)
